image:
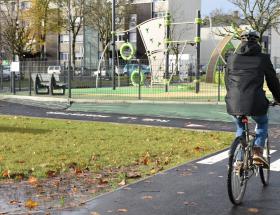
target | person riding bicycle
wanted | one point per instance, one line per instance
(244, 79)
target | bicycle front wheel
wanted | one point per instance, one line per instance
(236, 179)
(265, 172)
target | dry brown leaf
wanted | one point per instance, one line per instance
(153, 171)
(122, 183)
(122, 210)
(6, 173)
(32, 180)
(253, 210)
(31, 204)
(199, 149)
(147, 197)
(133, 175)
(14, 202)
(78, 171)
(51, 173)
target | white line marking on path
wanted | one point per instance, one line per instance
(78, 114)
(155, 120)
(214, 159)
(223, 155)
(195, 125)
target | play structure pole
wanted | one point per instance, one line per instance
(198, 40)
(168, 35)
(113, 43)
(70, 45)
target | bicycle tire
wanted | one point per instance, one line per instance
(236, 181)
(265, 172)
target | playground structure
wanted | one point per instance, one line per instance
(217, 56)
(157, 40)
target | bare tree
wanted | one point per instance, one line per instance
(16, 37)
(99, 17)
(261, 15)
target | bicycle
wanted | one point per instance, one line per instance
(241, 166)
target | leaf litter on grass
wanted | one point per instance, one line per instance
(79, 164)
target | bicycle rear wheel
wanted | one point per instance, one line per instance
(265, 172)
(236, 179)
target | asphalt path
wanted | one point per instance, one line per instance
(196, 188)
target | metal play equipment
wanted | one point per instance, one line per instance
(157, 39)
(218, 54)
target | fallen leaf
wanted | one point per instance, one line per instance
(146, 159)
(122, 210)
(122, 183)
(14, 202)
(147, 197)
(94, 213)
(253, 210)
(51, 173)
(199, 149)
(6, 173)
(31, 204)
(133, 175)
(153, 171)
(78, 171)
(32, 180)
(180, 193)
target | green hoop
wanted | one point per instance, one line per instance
(133, 79)
(132, 51)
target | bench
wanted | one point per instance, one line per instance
(48, 84)
(41, 82)
(56, 84)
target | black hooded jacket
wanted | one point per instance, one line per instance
(244, 81)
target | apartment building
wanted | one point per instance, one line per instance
(143, 10)
(57, 44)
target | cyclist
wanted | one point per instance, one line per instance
(244, 78)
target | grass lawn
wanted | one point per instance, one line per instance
(45, 147)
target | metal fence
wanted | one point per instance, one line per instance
(134, 80)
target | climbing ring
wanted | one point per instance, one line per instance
(123, 51)
(135, 78)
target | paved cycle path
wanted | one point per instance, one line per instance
(198, 187)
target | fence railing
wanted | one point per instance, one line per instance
(134, 80)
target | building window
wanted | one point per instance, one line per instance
(25, 5)
(120, 37)
(63, 56)
(64, 38)
(79, 56)
(133, 37)
(79, 39)
(159, 14)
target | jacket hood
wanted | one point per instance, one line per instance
(249, 49)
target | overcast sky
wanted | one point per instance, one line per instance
(209, 5)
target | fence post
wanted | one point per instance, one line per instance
(1, 70)
(139, 80)
(198, 40)
(19, 80)
(30, 78)
(13, 81)
(219, 82)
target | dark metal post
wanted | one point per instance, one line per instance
(69, 56)
(139, 80)
(167, 35)
(1, 70)
(197, 41)
(19, 78)
(113, 43)
(13, 83)
(219, 82)
(30, 79)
